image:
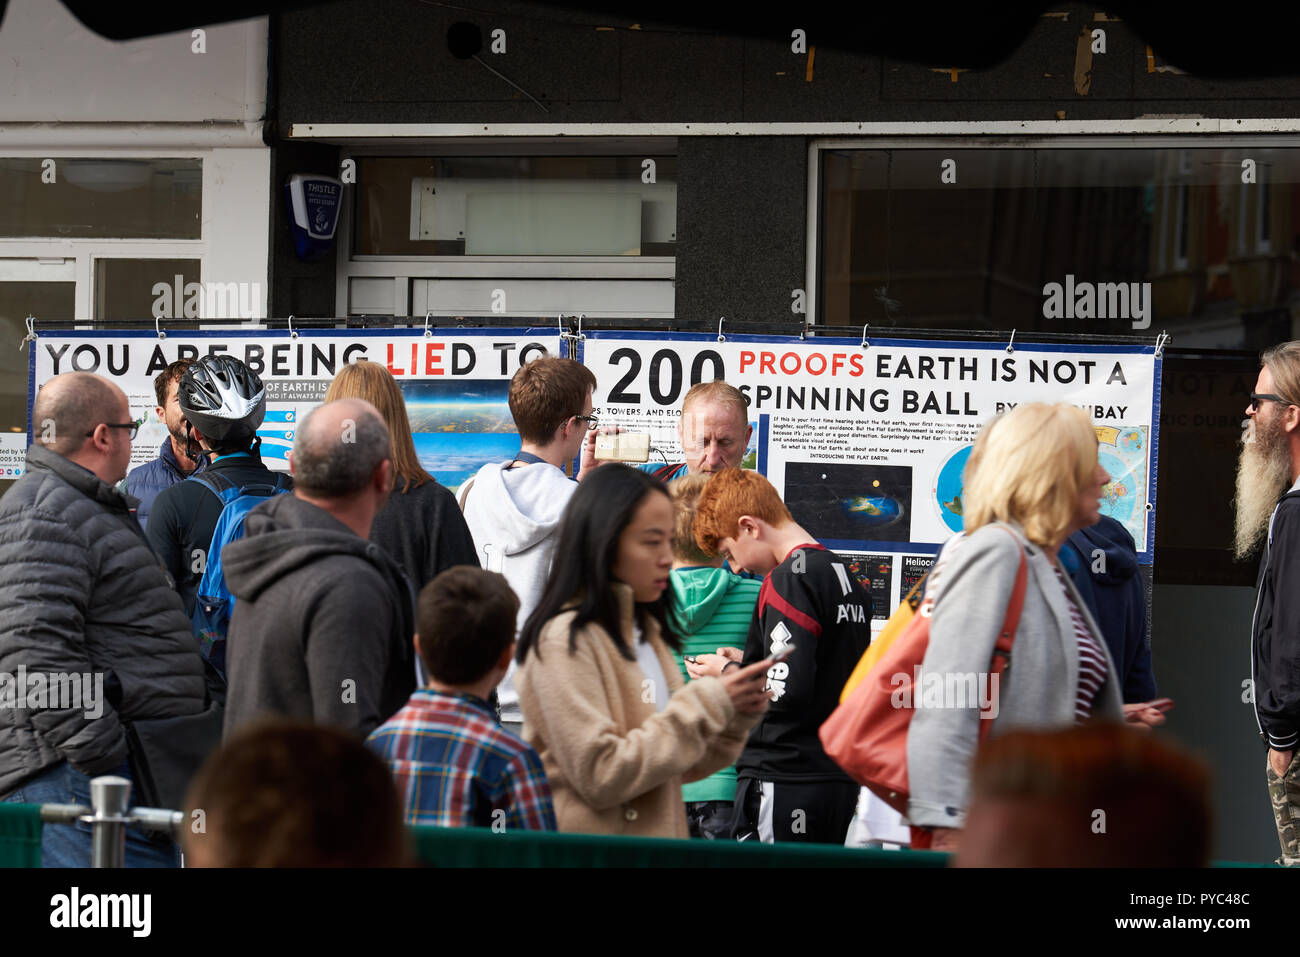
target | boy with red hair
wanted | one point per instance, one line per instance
(788, 789)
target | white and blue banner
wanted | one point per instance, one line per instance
(867, 444)
(455, 381)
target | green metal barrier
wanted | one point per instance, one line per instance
(482, 847)
(20, 835)
(20, 846)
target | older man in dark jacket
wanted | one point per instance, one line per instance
(85, 606)
(322, 622)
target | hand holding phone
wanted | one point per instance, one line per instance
(780, 653)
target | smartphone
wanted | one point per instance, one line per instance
(623, 446)
(785, 652)
(691, 659)
(1161, 704)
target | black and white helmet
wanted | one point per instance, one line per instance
(222, 399)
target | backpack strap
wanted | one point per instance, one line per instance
(664, 471)
(214, 482)
(463, 494)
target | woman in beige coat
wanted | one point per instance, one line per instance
(603, 700)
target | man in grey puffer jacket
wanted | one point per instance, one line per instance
(82, 594)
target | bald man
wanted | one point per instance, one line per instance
(322, 625)
(714, 432)
(85, 603)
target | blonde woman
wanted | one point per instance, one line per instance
(1038, 481)
(421, 526)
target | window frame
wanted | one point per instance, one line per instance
(85, 252)
(404, 269)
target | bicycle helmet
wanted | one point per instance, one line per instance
(221, 398)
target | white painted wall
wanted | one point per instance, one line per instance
(236, 205)
(54, 69)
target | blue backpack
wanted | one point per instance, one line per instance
(213, 602)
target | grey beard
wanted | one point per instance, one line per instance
(1263, 473)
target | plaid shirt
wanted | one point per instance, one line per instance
(455, 766)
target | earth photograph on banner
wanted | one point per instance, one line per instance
(948, 487)
(458, 427)
(458, 406)
(1122, 452)
(850, 502)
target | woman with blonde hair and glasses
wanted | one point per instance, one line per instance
(421, 526)
(1033, 480)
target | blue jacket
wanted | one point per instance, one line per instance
(146, 481)
(1116, 599)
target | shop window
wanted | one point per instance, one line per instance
(1181, 240)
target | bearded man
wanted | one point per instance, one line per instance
(1268, 513)
(174, 462)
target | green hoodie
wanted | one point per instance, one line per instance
(711, 608)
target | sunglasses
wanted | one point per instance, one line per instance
(1257, 397)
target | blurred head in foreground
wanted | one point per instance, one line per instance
(285, 794)
(1100, 795)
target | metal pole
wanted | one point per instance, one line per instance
(111, 797)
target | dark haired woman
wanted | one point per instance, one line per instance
(603, 700)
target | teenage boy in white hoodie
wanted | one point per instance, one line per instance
(513, 508)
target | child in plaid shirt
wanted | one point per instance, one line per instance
(453, 763)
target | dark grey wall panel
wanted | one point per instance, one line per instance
(299, 288)
(387, 61)
(680, 78)
(741, 209)
(843, 87)
(1200, 649)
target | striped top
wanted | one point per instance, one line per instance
(711, 608)
(1092, 659)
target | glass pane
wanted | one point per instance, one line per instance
(101, 198)
(18, 300)
(1091, 241)
(1201, 243)
(148, 289)
(516, 206)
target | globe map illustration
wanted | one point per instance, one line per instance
(1122, 453)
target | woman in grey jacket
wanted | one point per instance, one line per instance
(1038, 481)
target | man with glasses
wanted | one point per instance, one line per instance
(1269, 467)
(85, 604)
(513, 508)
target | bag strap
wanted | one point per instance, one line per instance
(1007, 634)
(664, 471)
(464, 494)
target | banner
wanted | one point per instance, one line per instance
(455, 382)
(866, 445)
